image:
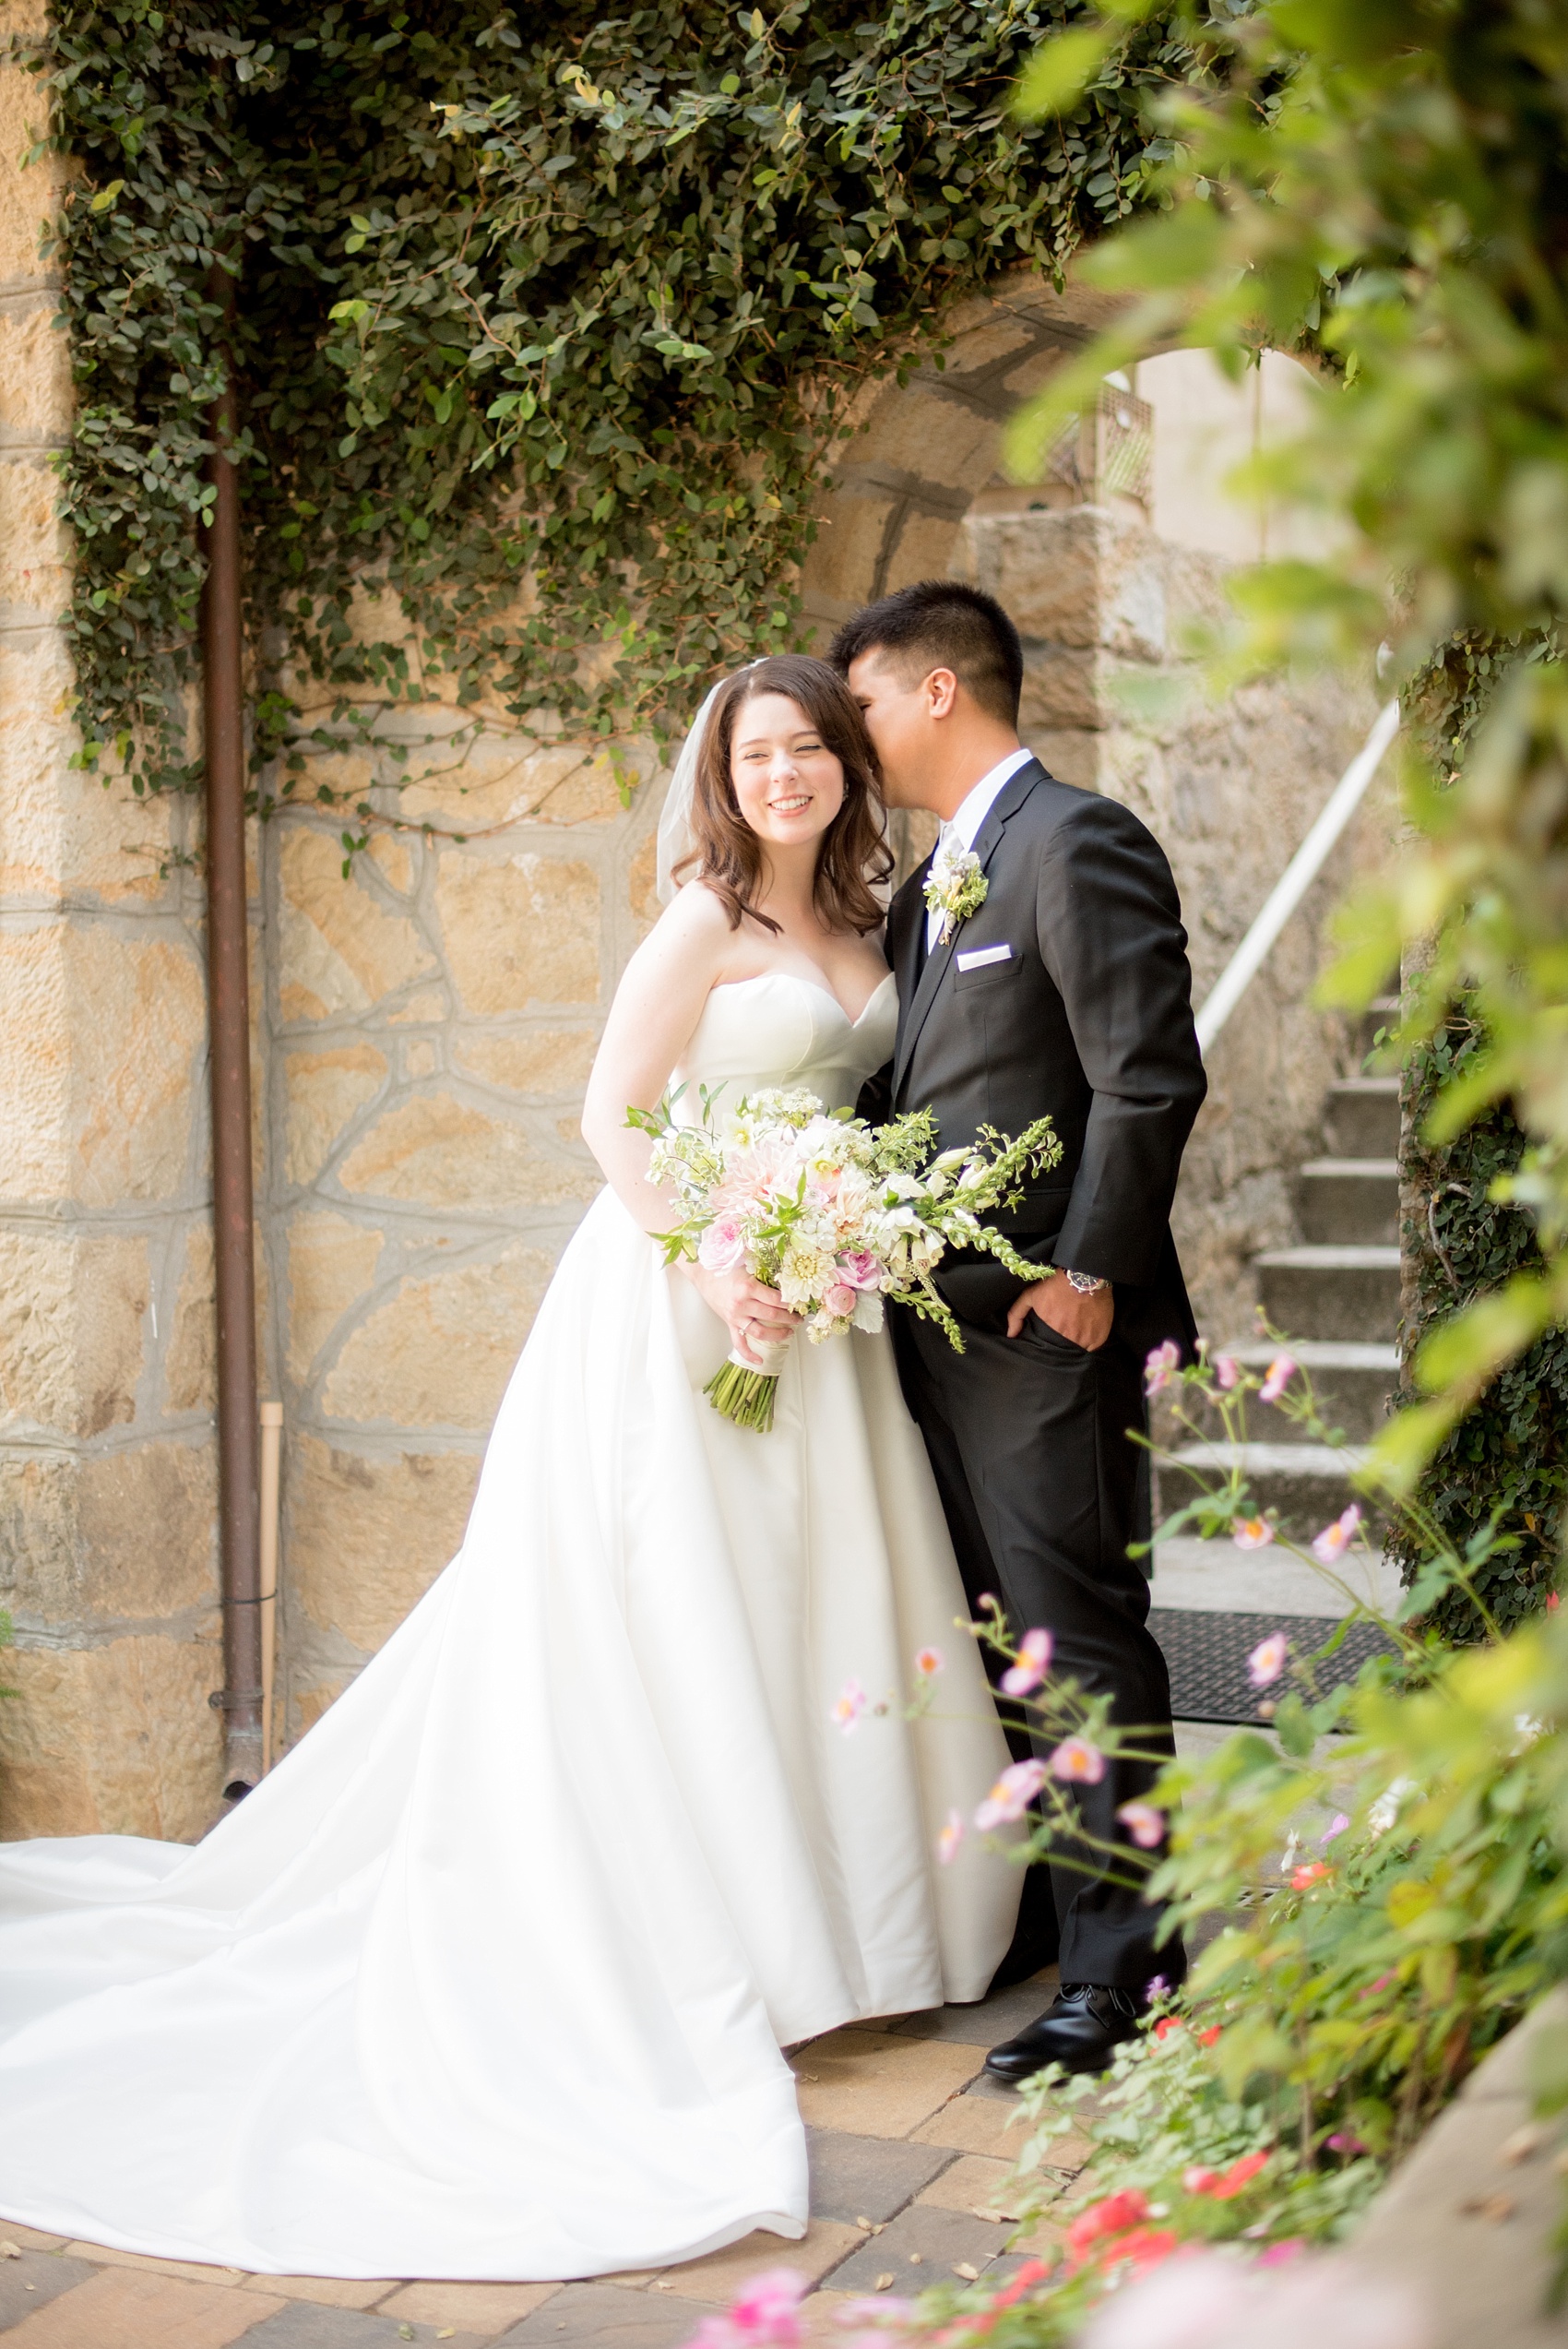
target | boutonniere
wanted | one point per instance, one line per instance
(954, 886)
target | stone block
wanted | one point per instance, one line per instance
(190, 1381)
(325, 1091)
(26, 198)
(508, 779)
(875, 2085)
(331, 1265)
(923, 550)
(642, 887)
(471, 2307)
(994, 2125)
(97, 1060)
(841, 569)
(436, 1152)
(923, 2245)
(35, 576)
(428, 1005)
(324, 2290)
(985, 2187)
(30, 2283)
(394, 860)
(122, 1536)
(522, 931)
(604, 2316)
(1062, 690)
(540, 1062)
(916, 431)
(340, 952)
(35, 370)
(439, 1352)
(116, 1740)
(142, 2308)
(719, 2276)
(367, 1536)
(867, 2178)
(71, 1330)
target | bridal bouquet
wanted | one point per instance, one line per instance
(833, 1213)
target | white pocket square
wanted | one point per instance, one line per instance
(979, 955)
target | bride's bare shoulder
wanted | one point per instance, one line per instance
(697, 921)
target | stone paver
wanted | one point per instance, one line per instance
(482, 2309)
(974, 2183)
(923, 2245)
(978, 2124)
(129, 2308)
(879, 2085)
(331, 2291)
(103, 2255)
(988, 2024)
(584, 2313)
(302, 2325)
(32, 2278)
(719, 2276)
(867, 2178)
(26, 2239)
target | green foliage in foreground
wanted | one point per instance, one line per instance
(1388, 185)
(545, 317)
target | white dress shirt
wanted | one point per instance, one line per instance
(964, 824)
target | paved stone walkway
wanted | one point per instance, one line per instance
(909, 2150)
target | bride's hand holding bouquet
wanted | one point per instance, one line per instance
(817, 1218)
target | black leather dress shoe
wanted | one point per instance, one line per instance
(1079, 2031)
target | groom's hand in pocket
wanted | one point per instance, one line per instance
(1086, 1322)
(754, 1314)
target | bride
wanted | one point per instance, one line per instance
(490, 1978)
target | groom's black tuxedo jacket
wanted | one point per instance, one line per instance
(1087, 1021)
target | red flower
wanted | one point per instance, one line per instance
(1206, 2038)
(1313, 1873)
(1240, 2173)
(1143, 2248)
(1166, 2022)
(1104, 2220)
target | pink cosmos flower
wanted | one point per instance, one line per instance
(1161, 1367)
(1251, 1532)
(1267, 1660)
(1226, 1370)
(1281, 1370)
(1211, 2300)
(860, 1269)
(1010, 1795)
(1144, 1824)
(952, 1835)
(1335, 1540)
(839, 1300)
(849, 1705)
(929, 1661)
(1337, 1826)
(722, 1246)
(1034, 1662)
(764, 2314)
(1078, 1762)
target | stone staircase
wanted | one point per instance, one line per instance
(1336, 1297)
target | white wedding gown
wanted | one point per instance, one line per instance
(489, 1978)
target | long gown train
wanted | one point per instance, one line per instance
(490, 1978)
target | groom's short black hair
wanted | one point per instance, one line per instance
(942, 623)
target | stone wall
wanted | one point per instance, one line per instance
(106, 1458)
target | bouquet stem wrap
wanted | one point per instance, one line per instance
(746, 1391)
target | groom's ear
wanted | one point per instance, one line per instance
(940, 688)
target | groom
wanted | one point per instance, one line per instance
(1063, 993)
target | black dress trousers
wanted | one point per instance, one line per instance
(1039, 1482)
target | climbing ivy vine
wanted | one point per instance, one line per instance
(541, 321)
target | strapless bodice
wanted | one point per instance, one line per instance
(781, 1030)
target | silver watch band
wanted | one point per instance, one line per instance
(1087, 1284)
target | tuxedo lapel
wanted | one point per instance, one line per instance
(924, 992)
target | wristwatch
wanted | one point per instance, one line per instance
(1087, 1284)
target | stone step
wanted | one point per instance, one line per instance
(1352, 1384)
(1304, 1485)
(1332, 1292)
(1216, 1578)
(1361, 1117)
(1354, 1199)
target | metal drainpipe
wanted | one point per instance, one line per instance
(240, 1699)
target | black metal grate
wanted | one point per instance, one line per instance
(1207, 1656)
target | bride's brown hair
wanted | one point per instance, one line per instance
(852, 855)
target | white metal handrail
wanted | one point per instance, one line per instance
(1297, 878)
